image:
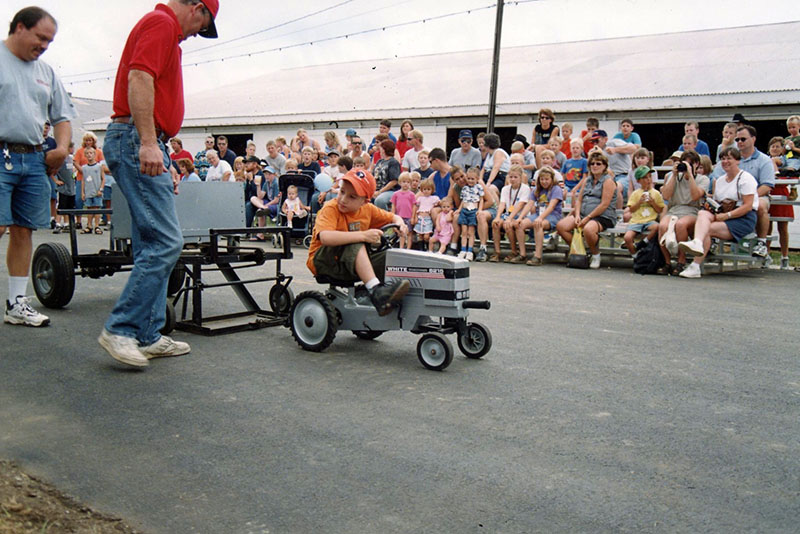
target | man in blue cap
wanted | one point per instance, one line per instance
(466, 155)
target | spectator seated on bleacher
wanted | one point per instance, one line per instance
(685, 191)
(541, 213)
(387, 171)
(645, 204)
(736, 192)
(496, 165)
(594, 210)
(513, 198)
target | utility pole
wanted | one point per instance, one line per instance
(498, 27)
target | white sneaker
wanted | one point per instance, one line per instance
(760, 249)
(767, 262)
(469, 256)
(594, 263)
(123, 349)
(462, 255)
(693, 247)
(691, 271)
(784, 264)
(165, 346)
(21, 313)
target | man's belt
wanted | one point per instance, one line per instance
(161, 135)
(21, 148)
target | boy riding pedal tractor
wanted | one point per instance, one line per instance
(343, 226)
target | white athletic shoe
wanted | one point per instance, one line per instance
(123, 349)
(165, 346)
(693, 247)
(784, 264)
(21, 313)
(594, 263)
(691, 271)
(462, 255)
(469, 256)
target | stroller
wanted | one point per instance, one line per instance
(301, 226)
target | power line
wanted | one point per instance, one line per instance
(334, 38)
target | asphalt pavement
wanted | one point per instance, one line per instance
(610, 402)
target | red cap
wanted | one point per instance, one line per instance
(362, 181)
(211, 31)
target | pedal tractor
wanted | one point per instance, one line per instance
(437, 304)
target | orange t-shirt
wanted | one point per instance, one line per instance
(566, 148)
(79, 160)
(330, 218)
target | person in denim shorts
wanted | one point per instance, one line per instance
(135, 152)
(24, 166)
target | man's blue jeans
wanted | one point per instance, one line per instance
(155, 236)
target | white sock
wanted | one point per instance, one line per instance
(17, 287)
(372, 283)
(453, 246)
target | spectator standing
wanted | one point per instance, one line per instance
(24, 173)
(411, 160)
(693, 128)
(575, 168)
(466, 155)
(225, 153)
(403, 202)
(65, 184)
(178, 152)
(546, 129)
(200, 160)
(149, 66)
(776, 151)
(402, 141)
(728, 133)
(88, 140)
(619, 155)
(274, 158)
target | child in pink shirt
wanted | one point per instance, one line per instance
(403, 205)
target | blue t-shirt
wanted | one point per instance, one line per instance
(427, 172)
(701, 148)
(633, 139)
(543, 198)
(441, 183)
(573, 172)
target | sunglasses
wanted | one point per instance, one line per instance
(465, 140)
(545, 117)
(741, 139)
(597, 163)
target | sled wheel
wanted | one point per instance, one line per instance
(170, 320)
(435, 351)
(313, 321)
(176, 279)
(53, 275)
(476, 341)
(369, 335)
(307, 241)
(281, 299)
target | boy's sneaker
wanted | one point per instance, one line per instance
(123, 349)
(164, 347)
(462, 255)
(469, 256)
(481, 255)
(784, 264)
(760, 249)
(21, 313)
(767, 262)
(58, 229)
(640, 245)
(52, 223)
(386, 296)
(693, 247)
(595, 261)
(691, 271)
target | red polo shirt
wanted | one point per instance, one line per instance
(152, 47)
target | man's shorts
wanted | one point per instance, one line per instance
(468, 217)
(340, 262)
(93, 202)
(640, 228)
(66, 202)
(107, 192)
(492, 211)
(27, 184)
(53, 189)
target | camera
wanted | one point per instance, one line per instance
(681, 167)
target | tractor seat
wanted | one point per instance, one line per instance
(324, 279)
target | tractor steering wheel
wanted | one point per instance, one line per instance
(389, 239)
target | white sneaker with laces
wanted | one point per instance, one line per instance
(469, 256)
(691, 271)
(462, 255)
(164, 347)
(123, 349)
(594, 263)
(767, 262)
(693, 247)
(21, 313)
(784, 264)
(760, 249)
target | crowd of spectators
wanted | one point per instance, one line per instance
(555, 184)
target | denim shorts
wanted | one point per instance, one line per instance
(499, 180)
(552, 219)
(25, 192)
(53, 190)
(468, 217)
(741, 226)
(107, 192)
(424, 225)
(640, 228)
(93, 202)
(492, 211)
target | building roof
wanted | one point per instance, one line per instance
(731, 67)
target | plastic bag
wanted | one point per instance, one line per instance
(577, 259)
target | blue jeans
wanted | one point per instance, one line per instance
(384, 200)
(155, 236)
(24, 191)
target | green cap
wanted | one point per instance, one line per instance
(641, 172)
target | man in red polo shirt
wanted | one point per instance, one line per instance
(148, 110)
